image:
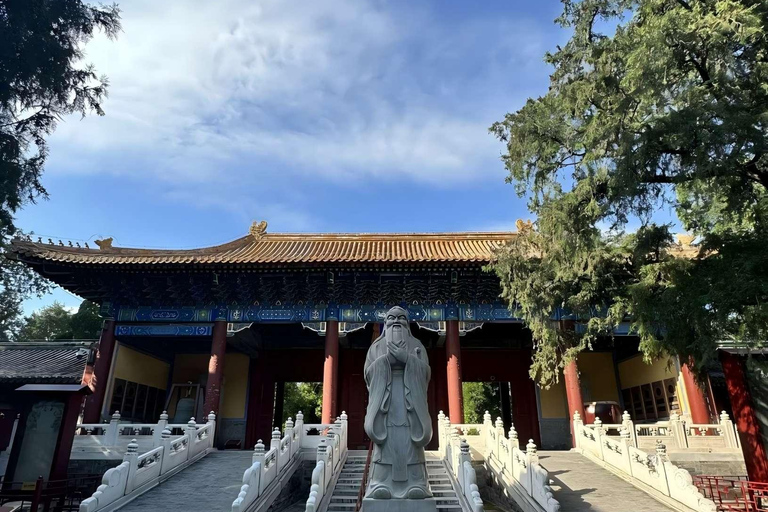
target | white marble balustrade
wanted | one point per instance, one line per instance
(653, 473)
(455, 451)
(517, 471)
(115, 436)
(142, 470)
(331, 454)
(677, 434)
(270, 468)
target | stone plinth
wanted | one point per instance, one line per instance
(395, 505)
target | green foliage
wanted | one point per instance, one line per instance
(55, 322)
(667, 112)
(306, 397)
(478, 398)
(41, 81)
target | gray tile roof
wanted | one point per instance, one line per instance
(60, 362)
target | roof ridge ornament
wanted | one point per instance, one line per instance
(523, 227)
(685, 239)
(258, 229)
(104, 244)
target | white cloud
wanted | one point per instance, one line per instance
(340, 89)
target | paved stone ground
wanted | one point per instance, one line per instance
(210, 484)
(581, 485)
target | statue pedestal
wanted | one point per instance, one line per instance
(399, 505)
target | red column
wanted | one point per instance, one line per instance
(100, 377)
(745, 418)
(453, 357)
(573, 393)
(695, 395)
(215, 369)
(65, 439)
(330, 370)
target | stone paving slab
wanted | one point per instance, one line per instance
(209, 485)
(581, 485)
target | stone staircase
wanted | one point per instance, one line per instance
(344, 495)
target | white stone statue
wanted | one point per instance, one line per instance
(397, 420)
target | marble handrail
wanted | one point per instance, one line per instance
(653, 473)
(519, 471)
(270, 466)
(140, 472)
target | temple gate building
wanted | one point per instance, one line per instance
(223, 328)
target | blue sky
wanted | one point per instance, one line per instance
(317, 116)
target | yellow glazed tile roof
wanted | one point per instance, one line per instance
(260, 247)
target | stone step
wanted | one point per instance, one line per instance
(341, 506)
(343, 499)
(346, 492)
(441, 487)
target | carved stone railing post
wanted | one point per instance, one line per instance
(447, 439)
(259, 453)
(289, 435)
(298, 427)
(514, 442)
(455, 449)
(678, 430)
(629, 425)
(212, 428)
(577, 426)
(464, 456)
(132, 458)
(729, 432)
(441, 433)
(324, 456)
(489, 439)
(499, 435)
(661, 451)
(532, 452)
(344, 429)
(191, 431)
(157, 434)
(275, 441)
(113, 430)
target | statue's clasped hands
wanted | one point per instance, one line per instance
(398, 350)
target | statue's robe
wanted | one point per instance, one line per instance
(397, 419)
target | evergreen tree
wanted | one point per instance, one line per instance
(666, 109)
(55, 322)
(42, 80)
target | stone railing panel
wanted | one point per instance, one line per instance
(112, 488)
(249, 491)
(682, 489)
(175, 451)
(616, 453)
(147, 469)
(648, 469)
(541, 490)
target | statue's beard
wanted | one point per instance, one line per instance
(396, 333)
